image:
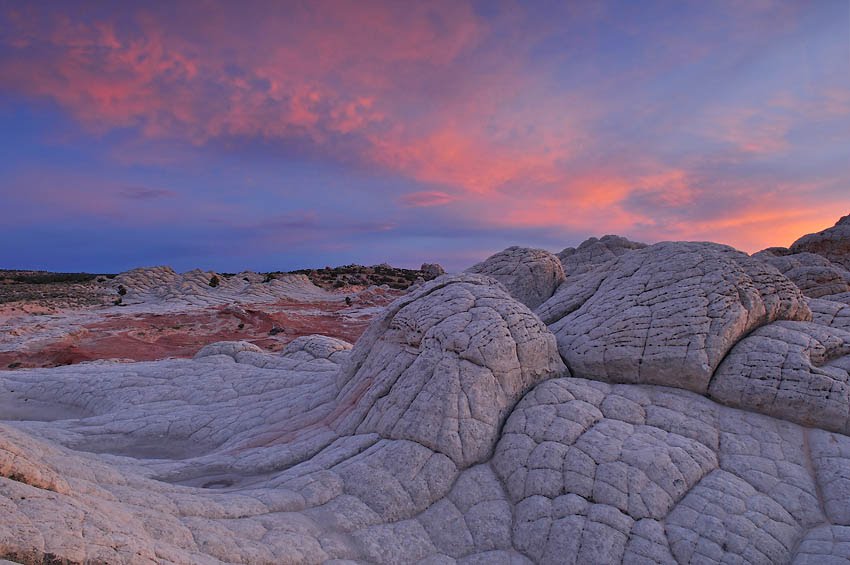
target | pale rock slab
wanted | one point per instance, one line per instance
(594, 252)
(310, 347)
(814, 274)
(669, 313)
(605, 473)
(161, 286)
(832, 243)
(830, 313)
(229, 348)
(530, 275)
(796, 371)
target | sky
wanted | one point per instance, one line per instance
(283, 135)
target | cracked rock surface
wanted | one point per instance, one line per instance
(668, 314)
(700, 417)
(593, 252)
(832, 243)
(530, 275)
(815, 275)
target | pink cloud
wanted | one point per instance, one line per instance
(392, 84)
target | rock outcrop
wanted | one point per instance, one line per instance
(815, 275)
(444, 366)
(669, 313)
(797, 371)
(432, 270)
(594, 252)
(702, 416)
(832, 243)
(530, 275)
(205, 288)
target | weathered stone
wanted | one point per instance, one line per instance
(797, 371)
(592, 253)
(530, 275)
(832, 243)
(669, 313)
(814, 274)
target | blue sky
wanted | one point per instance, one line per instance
(283, 135)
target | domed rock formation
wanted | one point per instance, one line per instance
(229, 348)
(530, 275)
(669, 313)
(832, 243)
(443, 367)
(814, 274)
(309, 347)
(603, 473)
(162, 285)
(797, 371)
(432, 270)
(594, 252)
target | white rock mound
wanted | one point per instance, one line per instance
(815, 275)
(669, 313)
(530, 275)
(594, 252)
(797, 371)
(832, 243)
(444, 366)
(601, 473)
(310, 347)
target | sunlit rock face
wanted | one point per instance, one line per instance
(685, 404)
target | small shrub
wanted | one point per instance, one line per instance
(215, 281)
(121, 290)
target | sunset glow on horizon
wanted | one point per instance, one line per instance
(284, 135)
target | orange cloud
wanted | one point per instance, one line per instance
(408, 89)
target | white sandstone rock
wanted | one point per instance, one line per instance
(530, 275)
(669, 313)
(832, 243)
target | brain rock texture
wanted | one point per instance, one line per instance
(685, 404)
(832, 243)
(530, 275)
(594, 252)
(668, 314)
